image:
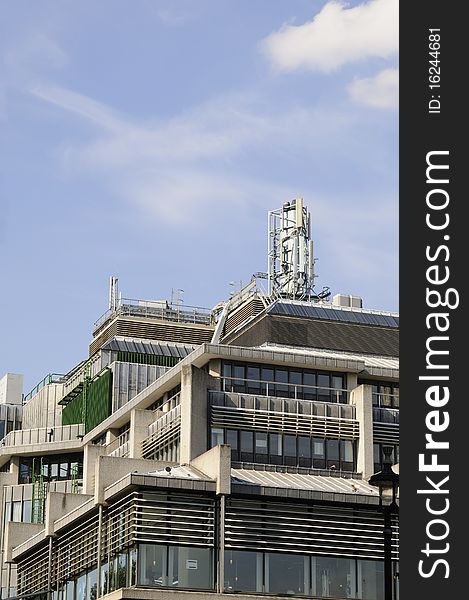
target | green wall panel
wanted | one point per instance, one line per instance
(98, 403)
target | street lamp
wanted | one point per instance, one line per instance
(387, 482)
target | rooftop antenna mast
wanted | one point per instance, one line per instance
(291, 259)
(113, 292)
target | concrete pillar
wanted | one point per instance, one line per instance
(111, 435)
(352, 381)
(139, 422)
(15, 466)
(214, 367)
(90, 456)
(362, 399)
(194, 411)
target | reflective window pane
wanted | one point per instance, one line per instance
(243, 571)
(151, 564)
(190, 567)
(333, 577)
(261, 442)
(287, 574)
(371, 579)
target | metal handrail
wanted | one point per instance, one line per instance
(42, 435)
(49, 378)
(162, 310)
(340, 392)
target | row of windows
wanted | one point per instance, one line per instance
(118, 573)
(18, 511)
(160, 566)
(285, 382)
(285, 449)
(52, 468)
(297, 575)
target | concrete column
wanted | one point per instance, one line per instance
(139, 422)
(214, 367)
(362, 399)
(15, 466)
(194, 411)
(90, 456)
(352, 381)
(111, 435)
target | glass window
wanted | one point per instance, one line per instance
(54, 471)
(152, 564)
(275, 443)
(63, 473)
(332, 449)
(296, 389)
(80, 589)
(27, 505)
(287, 574)
(304, 447)
(261, 442)
(246, 441)
(2, 429)
(337, 383)
(190, 567)
(7, 513)
(232, 438)
(309, 379)
(92, 585)
(132, 566)
(323, 388)
(281, 378)
(16, 512)
(9, 426)
(333, 577)
(217, 436)
(253, 374)
(371, 579)
(289, 445)
(121, 574)
(267, 375)
(104, 578)
(346, 455)
(239, 385)
(243, 571)
(226, 369)
(318, 447)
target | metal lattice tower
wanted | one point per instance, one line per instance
(291, 259)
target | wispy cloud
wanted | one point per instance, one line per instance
(380, 91)
(336, 36)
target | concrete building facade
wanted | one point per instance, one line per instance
(205, 453)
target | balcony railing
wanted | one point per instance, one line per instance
(385, 415)
(43, 435)
(385, 400)
(281, 405)
(120, 446)
(49, 378)
(284, 390)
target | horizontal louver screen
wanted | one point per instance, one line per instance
(303, 529)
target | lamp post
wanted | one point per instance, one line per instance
(387, 482)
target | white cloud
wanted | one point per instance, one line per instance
(336, 36)
(381, 91)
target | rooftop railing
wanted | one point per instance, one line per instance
(157, 310)
(49, 378)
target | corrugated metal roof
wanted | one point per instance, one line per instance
(317, 483)
(141, 346)
(370, 360)
(333, 313)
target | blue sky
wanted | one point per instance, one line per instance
(149, 139)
